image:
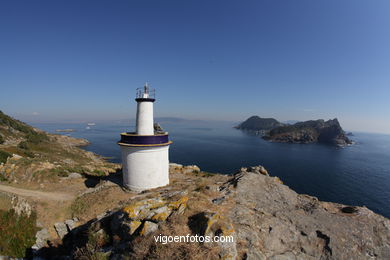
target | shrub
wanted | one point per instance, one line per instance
(36, 138)
(60, 172)
(99, 172)
(3, 156)
(23, 145)
(17, 233)
(1, 139)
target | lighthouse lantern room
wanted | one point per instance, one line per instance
(145, 152)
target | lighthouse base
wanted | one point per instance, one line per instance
(145, 167)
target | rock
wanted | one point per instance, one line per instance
(74, 175)
(148, 228)
(160, 214)
(61, 229)
(140, 209)
(213, 224)
(157, 209)
(16, 157)
(218, 201)
(132, 226)
(21, 206)
(175, 167)
(70, 223)
(190, 169)
(256, 169)
(293, 226)
(42, 236)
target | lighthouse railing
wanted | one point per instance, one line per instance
(142, 93)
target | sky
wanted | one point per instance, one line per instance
(78, 60)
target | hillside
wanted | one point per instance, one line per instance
(312, 131)
(256, 123)
(31, 155)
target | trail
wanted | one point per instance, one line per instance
(39, 195)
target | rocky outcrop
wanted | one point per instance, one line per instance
(255, 123)
(264, 218)
(312, 131)
(274, 222)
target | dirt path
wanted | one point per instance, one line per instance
(39, 195)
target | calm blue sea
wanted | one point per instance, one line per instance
(355, 175)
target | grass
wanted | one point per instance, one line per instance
(17, 233)
(78, 207)
(1, 139)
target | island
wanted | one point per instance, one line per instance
(312, 131)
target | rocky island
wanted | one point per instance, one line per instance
(70, 204)
(312, 131)
(256, 123)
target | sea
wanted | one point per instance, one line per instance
(354, 175)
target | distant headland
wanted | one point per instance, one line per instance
(312, 131)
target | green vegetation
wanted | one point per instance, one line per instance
(23, 145)
(17, 233)
(99, 172)
(96, 240)
(36, 138)
(3, 156)
(1, 139)
(32, 136)
(15, 124)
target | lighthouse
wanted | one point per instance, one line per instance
(145, 152)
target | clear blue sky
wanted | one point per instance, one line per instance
(299, 60)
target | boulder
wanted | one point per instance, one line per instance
(131, 226)
(148, 228)
(213, 224)
(175, 167)
(160, 214)
(70, 223)
(74, 175)
(42, 236)
(141, 209)
(61, 229)
(190, 169)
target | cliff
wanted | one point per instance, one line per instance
(266, 219)
(255, 123)
(310, 132)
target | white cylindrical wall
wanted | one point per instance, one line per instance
(145, 118)
(145, 167)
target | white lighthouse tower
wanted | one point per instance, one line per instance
(145, 155)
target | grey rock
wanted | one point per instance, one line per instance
(148, 228)
(190, 169)
(61, 229)
(42, 236)
(285, 225)
(70, 223)
(74, 175)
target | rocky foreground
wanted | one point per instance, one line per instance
(266, 218)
